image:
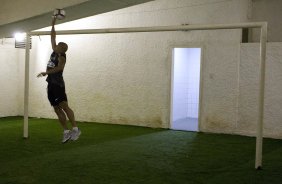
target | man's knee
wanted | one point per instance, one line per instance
(57, 109)
(64, 105)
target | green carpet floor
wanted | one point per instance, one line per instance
(127, 154)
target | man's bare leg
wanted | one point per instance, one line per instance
(61, 116)
(63, 120)
(69, 112)
(75, 130)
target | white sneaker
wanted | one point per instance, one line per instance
(75, 134)
(66, 137)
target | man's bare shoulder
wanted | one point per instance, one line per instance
(62, 58)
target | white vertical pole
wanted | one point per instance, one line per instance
(259, 139)
(172, 86)
(26, 85)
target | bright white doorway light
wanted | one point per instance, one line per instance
(186, 89)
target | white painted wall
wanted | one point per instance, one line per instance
(9, 79)
(125, 78)
(220, 87)
(248, 97)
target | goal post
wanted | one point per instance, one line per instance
(263, 40)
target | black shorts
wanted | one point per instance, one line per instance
(56, 94)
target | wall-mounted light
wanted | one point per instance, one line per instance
(20, 39)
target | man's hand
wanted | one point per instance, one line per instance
(42, 74)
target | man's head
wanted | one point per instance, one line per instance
(61, 47)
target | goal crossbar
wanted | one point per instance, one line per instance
(153, 29)
(263, 39)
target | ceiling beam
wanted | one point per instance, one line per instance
(86, 9)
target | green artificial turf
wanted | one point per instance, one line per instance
(128, 154)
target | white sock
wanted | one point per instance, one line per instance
(66, 131)
(75, 128)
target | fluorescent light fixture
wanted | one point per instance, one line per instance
(20, 37)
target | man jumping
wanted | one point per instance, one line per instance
(56, 87)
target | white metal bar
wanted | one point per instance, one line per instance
(172, 85)
(154, 29)
(26, 86)
(259, 138)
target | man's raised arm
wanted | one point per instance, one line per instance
(53, 34)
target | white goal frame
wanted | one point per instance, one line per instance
(263, 40)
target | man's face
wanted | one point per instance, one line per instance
(59, 48)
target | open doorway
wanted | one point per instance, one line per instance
(185, 89)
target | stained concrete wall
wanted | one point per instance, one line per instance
(9, 79)
(248, 94)
(220, 84)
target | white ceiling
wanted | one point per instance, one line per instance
(28, 15)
